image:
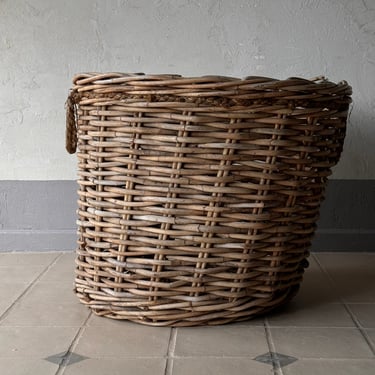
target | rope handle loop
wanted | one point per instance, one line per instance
(71, 123)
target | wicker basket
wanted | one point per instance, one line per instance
(198, 197)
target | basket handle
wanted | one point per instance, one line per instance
(71, 124)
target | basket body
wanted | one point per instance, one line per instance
(198, 197)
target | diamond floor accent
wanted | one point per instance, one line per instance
(273, 358)
(58, 358)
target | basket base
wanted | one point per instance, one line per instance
(158, 316)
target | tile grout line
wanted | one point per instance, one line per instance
(69, 352)
(170, 351)
(29, 286)
(347, 308)
(360, 328)
(277, 370)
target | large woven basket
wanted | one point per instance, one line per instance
(198, 197)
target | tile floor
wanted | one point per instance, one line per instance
(329, 328)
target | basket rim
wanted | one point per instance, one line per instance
(218, 82)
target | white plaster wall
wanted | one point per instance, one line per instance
(43, 43)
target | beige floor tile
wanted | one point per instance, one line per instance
(48, 304)
(123, 340)
(220, 366)
(371, 334)
(221, 341)
(316, 287)
(320, 343)
(305, 314)
(26, 366)
(39, 342)
(353, 274)
(27, 259)
(52, 292)
(356, 287)
(358, 292)
(335, 261)
(365, 313)
(331, 367)
(62, 270)
(67, 257)
(40, 313)
(257, 322)
(9, 294)
(116, 366)
(315, 291)
(19, 274)
(102, 321)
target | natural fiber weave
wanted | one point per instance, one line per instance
(198, 197)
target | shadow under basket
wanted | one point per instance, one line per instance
(198, 197)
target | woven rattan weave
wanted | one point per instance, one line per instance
(198, 197)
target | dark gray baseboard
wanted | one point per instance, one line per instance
(37, 215)
(37, 240)
(40, 216)
(347, 217)
(343, 240)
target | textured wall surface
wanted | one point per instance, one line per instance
(43, 43)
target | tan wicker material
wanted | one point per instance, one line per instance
(198, 197)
